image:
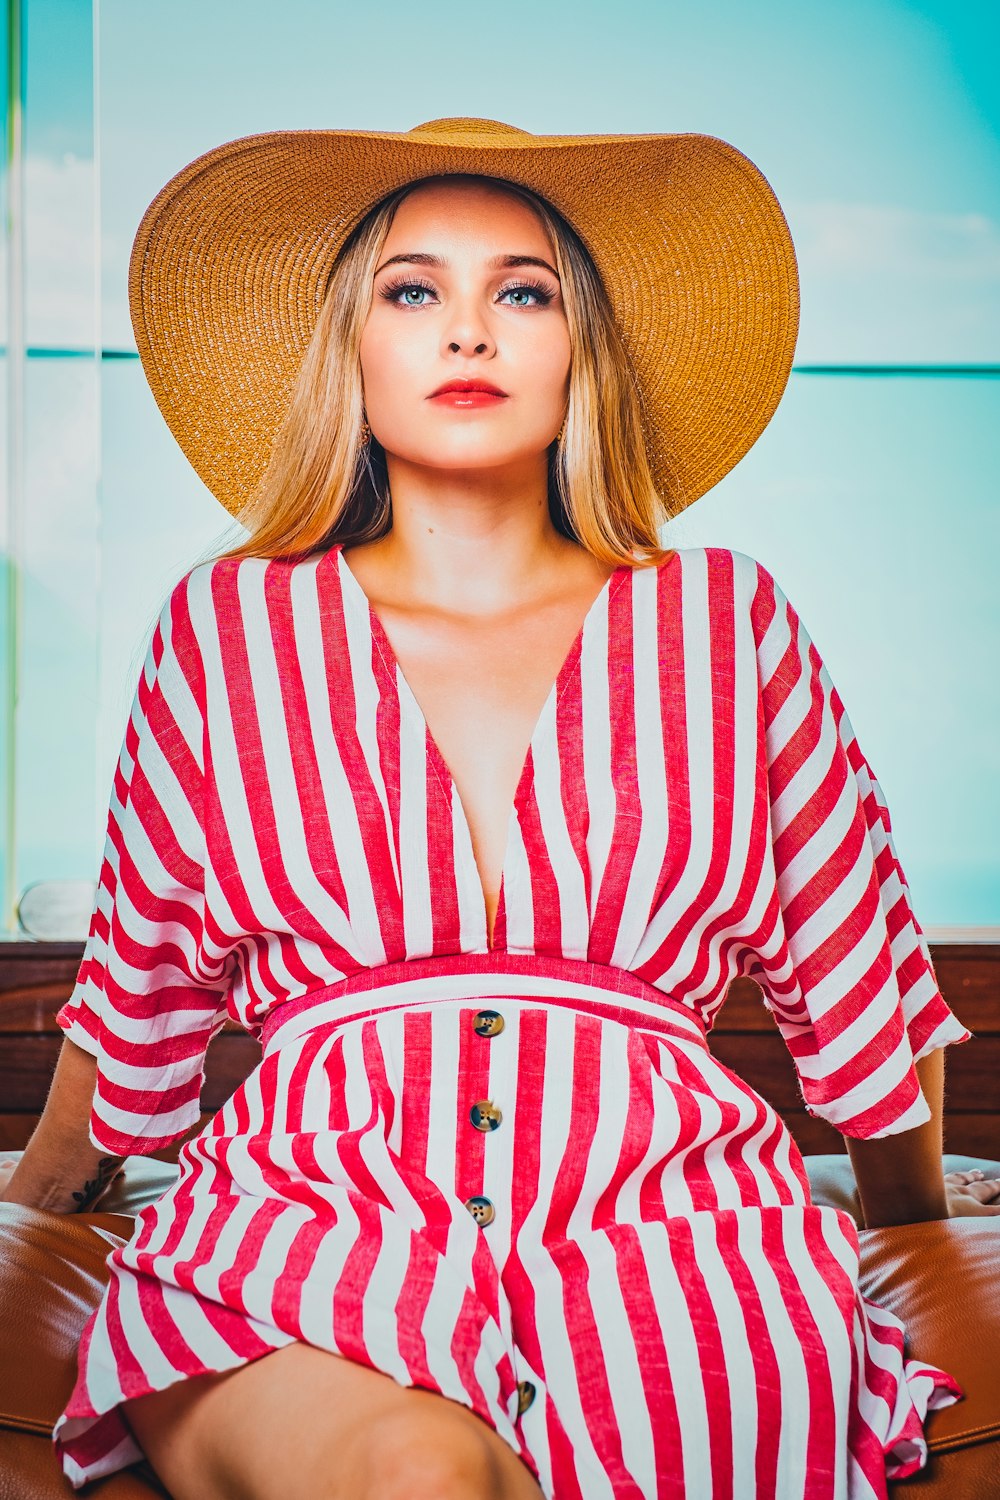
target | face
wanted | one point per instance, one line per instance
(458, 307)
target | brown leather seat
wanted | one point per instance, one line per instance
(941, 1279)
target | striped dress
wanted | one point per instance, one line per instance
(513, 1173)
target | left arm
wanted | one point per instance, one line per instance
(844, 965)
(899, 1177)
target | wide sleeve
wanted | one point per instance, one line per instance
(151, 988)
(842, 959)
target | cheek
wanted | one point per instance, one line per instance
(549, 356)
(389, 360)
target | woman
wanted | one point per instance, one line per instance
(470, 800)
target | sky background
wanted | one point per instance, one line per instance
(872, 500)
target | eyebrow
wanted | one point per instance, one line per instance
(495, 263)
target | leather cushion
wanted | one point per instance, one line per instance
(52, 1275)
(29, 1470)
(941, 1280)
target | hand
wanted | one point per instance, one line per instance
(971, 1193)
(7, 1165)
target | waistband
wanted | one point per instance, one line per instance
(541, 980)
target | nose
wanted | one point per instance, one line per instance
(466, 328)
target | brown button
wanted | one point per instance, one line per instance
(525, 1396)
(482, 1210)
(488, 1023)
(485, 1115)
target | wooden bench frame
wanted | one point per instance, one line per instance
(36, 977)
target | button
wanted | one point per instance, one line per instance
(482, 1210)
(525, 1396)
(488, 1023)
(485, 1115)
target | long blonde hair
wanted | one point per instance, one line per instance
(323, 485)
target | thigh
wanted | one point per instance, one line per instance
(302, 1421)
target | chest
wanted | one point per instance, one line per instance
(481, 687)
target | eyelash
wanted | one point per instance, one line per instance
(393, 288)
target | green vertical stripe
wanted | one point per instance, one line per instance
(13, 602)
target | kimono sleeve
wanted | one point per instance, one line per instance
(151, 989)
(844, 965)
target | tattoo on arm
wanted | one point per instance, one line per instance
(92, 1190)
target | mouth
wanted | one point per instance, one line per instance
(468, 393)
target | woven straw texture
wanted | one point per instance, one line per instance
(231, 259)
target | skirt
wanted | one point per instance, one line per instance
(556, 1208)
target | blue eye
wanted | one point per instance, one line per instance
(535, 288)
(392, 290)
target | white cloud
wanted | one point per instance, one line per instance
(875, 239)
(888, 285)
(59, 251)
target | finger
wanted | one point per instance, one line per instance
(986, 1192)
(964, 1206)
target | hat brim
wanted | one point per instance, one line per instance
(231, 260)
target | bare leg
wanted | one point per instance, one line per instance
(304, 1422)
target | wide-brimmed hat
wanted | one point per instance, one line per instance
(231, 262)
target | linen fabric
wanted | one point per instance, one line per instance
(655, 1308)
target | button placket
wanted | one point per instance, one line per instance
(484, 1114)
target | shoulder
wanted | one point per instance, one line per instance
(221, 586)
(723, 571)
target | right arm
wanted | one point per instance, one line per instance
(151, 988)
(60, 1169)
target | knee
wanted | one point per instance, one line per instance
(410, 1456)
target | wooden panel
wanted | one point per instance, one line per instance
(32, 1007)
(812, 1136)
(972, 1134)
(764, 1062)
(969, 981)
(15, 1131)
(26, 1069)
(25, 964)
(965, 1135)
(228, 1061)
(36, 978)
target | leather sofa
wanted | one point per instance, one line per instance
(942, 1279)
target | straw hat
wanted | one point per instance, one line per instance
(231, 260)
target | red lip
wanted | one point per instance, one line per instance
(466, 386)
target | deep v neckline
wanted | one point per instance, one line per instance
(564, 676)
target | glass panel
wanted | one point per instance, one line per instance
(870, 500)
(10, 333)
(57, 797)
(873, 503)
(157, 519)
(55, 480)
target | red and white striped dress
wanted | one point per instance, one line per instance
(514, 1174)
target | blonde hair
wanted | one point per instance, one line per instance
(323, 485)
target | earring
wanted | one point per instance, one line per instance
(366, 433)
(559, 434)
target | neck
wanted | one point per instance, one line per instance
(469, 542)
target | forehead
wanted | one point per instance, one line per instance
(466, 210)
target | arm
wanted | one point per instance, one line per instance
(899, 1177)
(843, 962)
(60, 1169)
(150, 991)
